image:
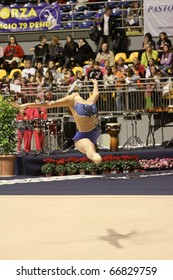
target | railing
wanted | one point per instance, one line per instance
(114, 100)
(85, 17)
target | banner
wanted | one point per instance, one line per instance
(158, 17)
(29, 18)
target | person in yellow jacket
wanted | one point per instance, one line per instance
(148, 54)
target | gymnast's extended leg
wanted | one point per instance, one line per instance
(87, 147)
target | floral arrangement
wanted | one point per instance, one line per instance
(157, 163)
(48, 168)
(74, 165)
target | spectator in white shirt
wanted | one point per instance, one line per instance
(28, 70)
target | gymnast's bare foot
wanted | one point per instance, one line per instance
(97, 158)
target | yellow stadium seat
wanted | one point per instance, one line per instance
(13, 71)
(77, 68)
(59, 69)
(120, 55)
(22, 63)
(2, 73)
(131, 57)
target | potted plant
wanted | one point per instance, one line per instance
(82, 167)
(8, 139)
(60, 169)
(134, 165)
(115, 166)
(48, 168)
(71, 168)
(104, 167)
(91, 168)
(125, 166)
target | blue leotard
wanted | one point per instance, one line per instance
(92, 135)
(85, 109)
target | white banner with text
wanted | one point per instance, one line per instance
(158, 17)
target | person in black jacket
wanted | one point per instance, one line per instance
(95, 73)
(41, 51)
(56, 51)
(84, 53)
(108, 26)
(70, 50)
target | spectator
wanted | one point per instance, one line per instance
(41, 51)
(132, 89)
(17, 78)
(56, 51)
(166, 62)
(39, 66)
(61, 73)
(156, 93)
(134, 16)
(79, 82)
(151, 62)
(163, 38)
(108, 78)
(105, 54)
(104, 68)
(40, 80)
(13, 54)
(138, 68)
(149, 53)
(88, 66)
(52, 67)
(84, 53)
(120, 64)
(119, 78)
(108, 25)
(148, 39)
(95, 73)
(5, 85)
(48, 84)
(70, 50)
(28, 70)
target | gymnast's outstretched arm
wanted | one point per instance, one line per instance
(95, 93)
(67, 101)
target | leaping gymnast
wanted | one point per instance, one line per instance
(85, 115)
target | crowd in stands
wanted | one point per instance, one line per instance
(73, 65)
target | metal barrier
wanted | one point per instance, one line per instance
(84, 17)
(144, 97)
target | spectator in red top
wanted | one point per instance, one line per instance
(12, 54)
(138, 68)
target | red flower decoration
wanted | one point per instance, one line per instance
(49, 160)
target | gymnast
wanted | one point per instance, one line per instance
(85, 116)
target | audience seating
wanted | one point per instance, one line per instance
(2, 73)
(131, 57)
(121, 54)
(77, 68)
(13, 71)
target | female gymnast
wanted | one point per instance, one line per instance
(85, 115)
